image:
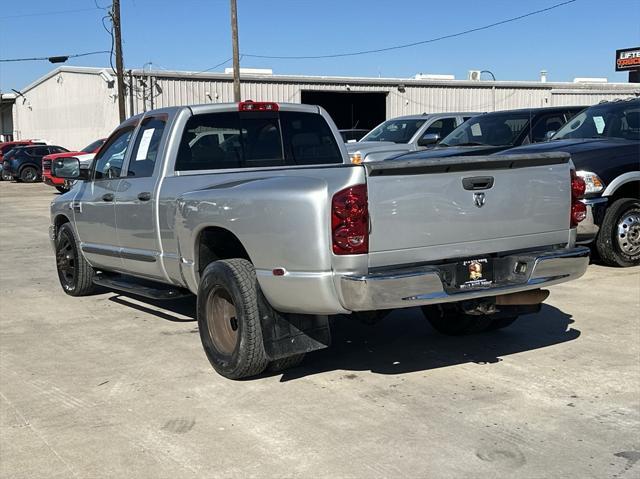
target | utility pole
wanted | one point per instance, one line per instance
(117, 31)
(236, 51)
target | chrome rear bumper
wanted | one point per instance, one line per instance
(433, 284)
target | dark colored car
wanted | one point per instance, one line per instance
(604, 144)
(7, 146)
(354, 134)
(24, 163)
(492, 132)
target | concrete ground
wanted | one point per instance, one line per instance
(111, 386)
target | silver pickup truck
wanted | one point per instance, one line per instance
(257, 210)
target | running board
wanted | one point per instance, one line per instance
(140, 287)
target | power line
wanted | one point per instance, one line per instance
(110, 32)
(407, 45)
(216, 66)
(47, 58)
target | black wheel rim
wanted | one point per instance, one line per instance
(66, 262)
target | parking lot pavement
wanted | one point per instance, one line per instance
(112, 386)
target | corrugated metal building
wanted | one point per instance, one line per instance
(72, 106)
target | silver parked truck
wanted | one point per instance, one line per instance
(257, 210)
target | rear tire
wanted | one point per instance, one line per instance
(75, 274)
(62, 189)
(229, 319)
(618, 242)
(29, 174)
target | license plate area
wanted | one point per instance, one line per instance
(474, 273)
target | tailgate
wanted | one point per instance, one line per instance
(434, 209)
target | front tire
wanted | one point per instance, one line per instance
(229, 319)
(29, 174)
(75, 274)
(618, 242)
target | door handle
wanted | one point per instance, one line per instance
(477, 183)
(107, 197)
(144, 196)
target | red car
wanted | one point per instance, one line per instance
(6, 146)
(59, 183)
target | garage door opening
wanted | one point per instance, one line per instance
(349, 109)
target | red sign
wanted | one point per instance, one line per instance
(628, 59)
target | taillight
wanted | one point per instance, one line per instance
(250, 105)
(350, 221)
(578, 208)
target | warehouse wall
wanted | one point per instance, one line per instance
(411, 99)
(68, 109)
(75, 105)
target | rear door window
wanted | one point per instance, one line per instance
(545, 124)
(442, 127)
(256, 139)
(40, 151)
(145, 149)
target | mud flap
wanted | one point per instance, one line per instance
(286, 334)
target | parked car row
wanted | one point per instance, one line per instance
(24, 163)
(29, 161)
(603, 141)
(7, 146)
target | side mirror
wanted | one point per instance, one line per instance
(68, 169)
(429, 139)
(549, 134)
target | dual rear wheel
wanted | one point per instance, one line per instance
(229, 312)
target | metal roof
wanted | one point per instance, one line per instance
(340, 80)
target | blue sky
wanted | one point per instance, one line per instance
(576, 40)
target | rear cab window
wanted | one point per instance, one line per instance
(255, 140)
